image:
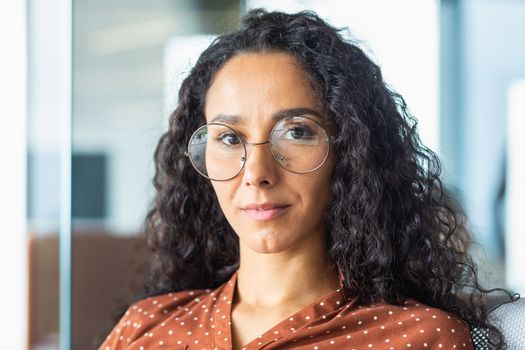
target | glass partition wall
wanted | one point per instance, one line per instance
(48, 172)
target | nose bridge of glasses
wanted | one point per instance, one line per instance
(256, 143)
(250, 145)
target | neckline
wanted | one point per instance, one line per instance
(223, 334)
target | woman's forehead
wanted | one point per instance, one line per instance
(259, 86)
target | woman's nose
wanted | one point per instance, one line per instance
(259, 167)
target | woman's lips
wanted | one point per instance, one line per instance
(265, 214)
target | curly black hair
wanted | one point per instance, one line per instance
(393, 229)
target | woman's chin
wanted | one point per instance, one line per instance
(265, 242)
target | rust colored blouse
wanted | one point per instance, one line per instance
(200, 319)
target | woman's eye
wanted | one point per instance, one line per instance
(229, 139)
(298, 132)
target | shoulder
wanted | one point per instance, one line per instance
(147, 313)
(417, 326)
(164, 303)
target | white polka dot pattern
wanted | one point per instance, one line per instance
(200, 319)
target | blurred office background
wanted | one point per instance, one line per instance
(90, 86)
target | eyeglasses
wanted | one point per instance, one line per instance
(299, 144)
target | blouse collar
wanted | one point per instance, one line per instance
(321, 309)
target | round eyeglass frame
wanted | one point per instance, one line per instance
(329, 139)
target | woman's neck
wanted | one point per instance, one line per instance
(265, 281)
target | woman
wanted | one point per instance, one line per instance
(297, 208)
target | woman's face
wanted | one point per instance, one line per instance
(254, 87)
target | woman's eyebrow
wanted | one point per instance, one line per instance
(234, 119)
